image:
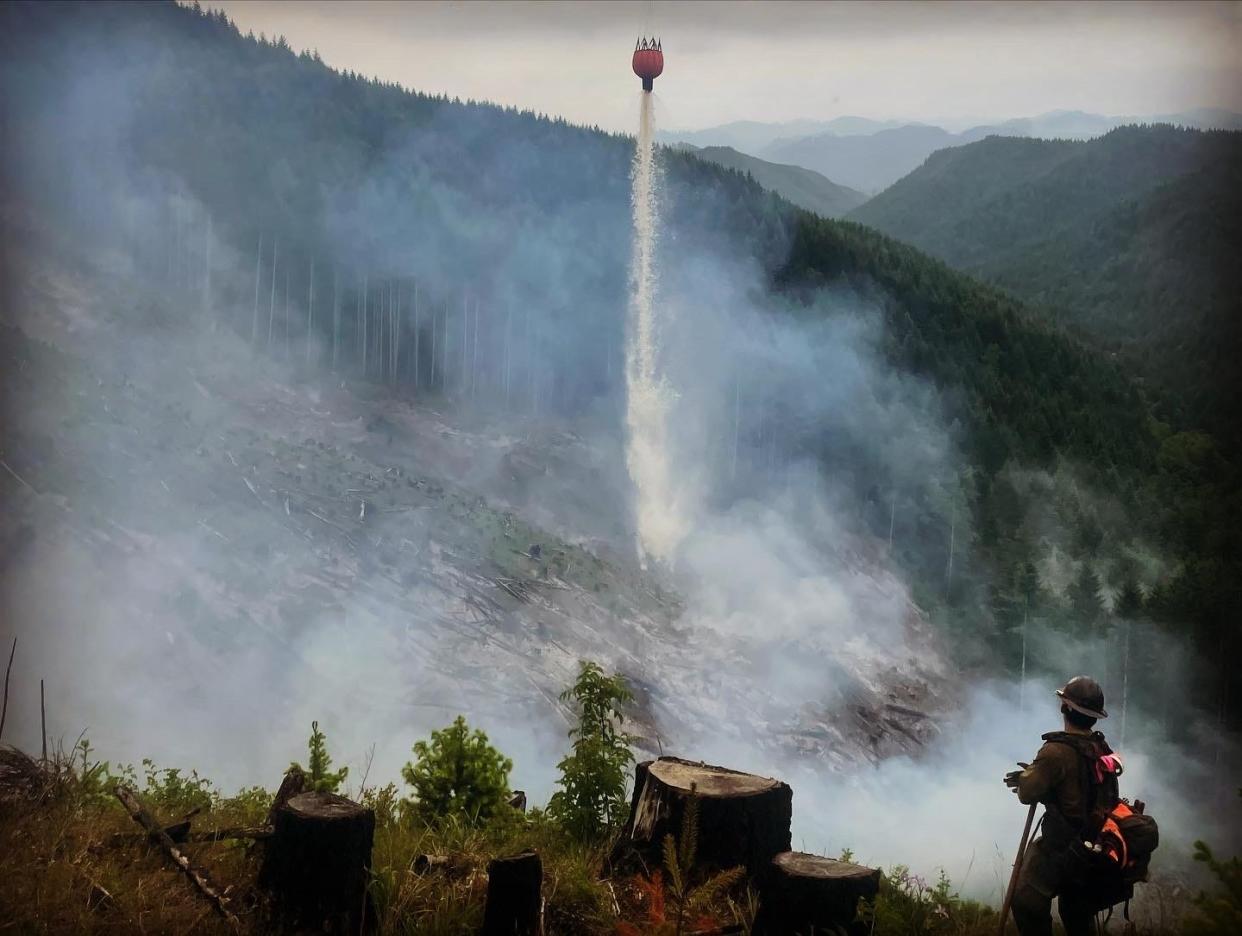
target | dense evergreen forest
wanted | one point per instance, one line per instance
(383, 205)
(1127, 239)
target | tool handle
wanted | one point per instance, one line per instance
(1017, 869)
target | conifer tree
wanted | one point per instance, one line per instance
(318, 774)
(458, 773)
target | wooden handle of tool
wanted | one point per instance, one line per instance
(1017, 869)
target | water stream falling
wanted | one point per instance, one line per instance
(659, 523)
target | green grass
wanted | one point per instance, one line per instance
(62, 871)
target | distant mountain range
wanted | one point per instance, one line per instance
(870, 155)
(751, 136)
(1131, 239)
(803, 187)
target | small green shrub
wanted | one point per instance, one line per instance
(909, 904)
(457, 774)
(169, 790)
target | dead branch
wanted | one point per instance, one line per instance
(252, 490)
(20, 479)
(180, 834)
(197, 876)
(515, 589)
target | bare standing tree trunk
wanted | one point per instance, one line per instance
(444, 379)
(336, 315)
(381, 316)
(288, 272)
(1125, 680)
(530, 365)
(365, 310)
(474, 354)
(416, 336)
(396, 333)
(176, 267)
(1022, 683)
(310, 311)
(508, 351)
(358, 320)
(465, 343)
(737, 414)
(171, 244)
(948, 573)
(258, 269)
(207, 269)
(271, 308)
(892, 519)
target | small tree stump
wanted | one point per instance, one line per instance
(805, 895)
(514, 896)
(318, 862)
(450, 865)
(743, 819)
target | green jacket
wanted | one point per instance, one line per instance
(1055, 779)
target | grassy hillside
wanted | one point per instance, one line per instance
(802, 187)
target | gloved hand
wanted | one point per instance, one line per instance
(1011, 778)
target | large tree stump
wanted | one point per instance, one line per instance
(743, 819)
(806, 895)
(318, 863)
(514, 896)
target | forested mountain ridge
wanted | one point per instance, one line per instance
(320, 170)
(299, 150)
(1125, 239)
(803, 187)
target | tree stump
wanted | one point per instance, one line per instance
(806, 895)
(514, 896)
(454, 866)
(318, 862)
(743, 819)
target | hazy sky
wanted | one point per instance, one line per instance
(782, 61)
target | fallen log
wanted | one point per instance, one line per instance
(318, 864)
(801, 893)
(743, 819)
(450, 865)
(514, 896)
(197, 876)
(180, 834)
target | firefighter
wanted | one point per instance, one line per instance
(1060, 778)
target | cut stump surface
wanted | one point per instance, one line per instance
(744, 819)
(318, 861)
(801, 893)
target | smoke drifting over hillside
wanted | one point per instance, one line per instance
(240, 527)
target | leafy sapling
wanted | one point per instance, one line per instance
(591, 801)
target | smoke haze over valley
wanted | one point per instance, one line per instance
(331, 399)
